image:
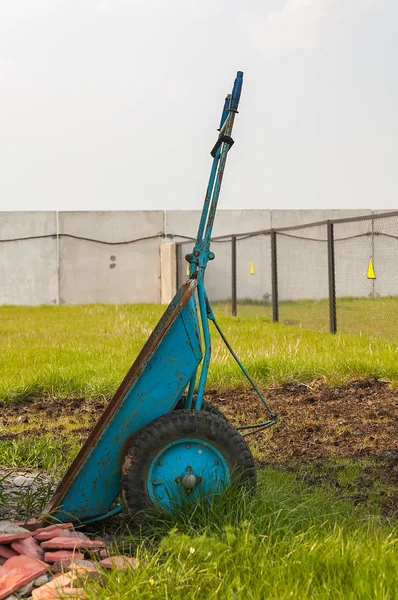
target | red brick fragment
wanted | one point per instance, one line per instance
(28, 547)
(43, 536)
(32, 525)
(8, 538)
(17, 572)
(54, 589)
(69, 543)
(89, 565)
(53, 528)
(60, 593)
(120, 562)
(62, 555)
(7, 552)
(60, 566)
(77, 593)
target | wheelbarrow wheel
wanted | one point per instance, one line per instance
(184, 456)
(206, 406)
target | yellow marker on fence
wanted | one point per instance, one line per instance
(371, 271)
(252, 267)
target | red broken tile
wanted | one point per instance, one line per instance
(32, 525)
(119, 562)
(18, 571)
(77, 593)
(53, 528)
(89, 565)
(60, 594)
(54, 588)
(47, 535)
(60, 566)
(28, 547)
(69, 543)
(62, 555)
(8, 538)
(84, 569)
(7, 552)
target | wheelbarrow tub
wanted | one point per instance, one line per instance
(151, 388)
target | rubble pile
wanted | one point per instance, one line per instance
(50, 563)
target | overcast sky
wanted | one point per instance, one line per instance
(114, 104)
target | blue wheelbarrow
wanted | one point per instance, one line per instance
(158, 442)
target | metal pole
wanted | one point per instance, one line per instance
(274, 277)
(332, 278)
(233, 277)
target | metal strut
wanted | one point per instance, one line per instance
(257, 427)
(201, 254)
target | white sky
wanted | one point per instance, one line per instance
(114, 104)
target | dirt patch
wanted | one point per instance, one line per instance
(318, 427)
(316, 421)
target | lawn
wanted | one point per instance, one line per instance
(321, 528)
(84, 351)
(358, 316)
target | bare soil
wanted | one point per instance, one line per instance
(316, 424)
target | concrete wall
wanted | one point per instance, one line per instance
(68, 270)
(218, 273)
(29, 267)
(100, 272)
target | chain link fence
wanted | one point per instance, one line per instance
(366, 275)
(339, 275)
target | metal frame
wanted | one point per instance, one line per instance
(238, 236)
(332, 279)
(273, 233)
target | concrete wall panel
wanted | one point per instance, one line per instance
(93, 273)
(112, 226)
(96, 272)
(186, 222)
(28, 268)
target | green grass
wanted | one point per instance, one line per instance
(52, 453)
(84, 351)
(357, 316)
(290, 541)
(295, 539)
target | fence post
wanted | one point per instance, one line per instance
(332, 278)
(233, 277)
(274, 278)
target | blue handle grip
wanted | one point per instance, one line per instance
(236, 91)
(225, 110)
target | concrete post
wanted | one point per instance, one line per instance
(168, 270)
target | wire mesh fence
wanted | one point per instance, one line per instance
(302, 267)
(339, 275)
(253, 275)
(366, 265)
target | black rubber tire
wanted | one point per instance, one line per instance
(206, 406)
(145, 446)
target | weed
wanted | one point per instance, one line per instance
(32, 498)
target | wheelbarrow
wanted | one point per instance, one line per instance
(158, 442)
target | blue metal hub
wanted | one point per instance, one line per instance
(186, 468)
